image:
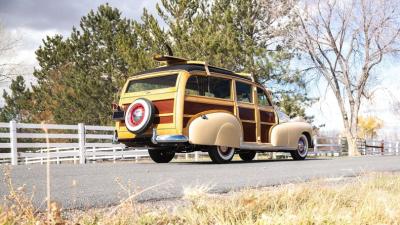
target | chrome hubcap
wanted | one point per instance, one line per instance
(302, 147)
(225, 152)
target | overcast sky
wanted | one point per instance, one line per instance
(30, 21)
(61, 15)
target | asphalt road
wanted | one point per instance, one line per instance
(97, 185)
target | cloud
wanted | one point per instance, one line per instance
(61, 15)
(31, 21)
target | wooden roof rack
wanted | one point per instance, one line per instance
(247, 75)
(170, 60)
(182, 62)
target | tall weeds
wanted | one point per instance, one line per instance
(369, 199)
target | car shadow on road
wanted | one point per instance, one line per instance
(251, 162)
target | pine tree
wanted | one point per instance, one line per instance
(241, 35)
(17, 102)
(79, 76)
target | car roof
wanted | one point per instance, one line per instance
(194, 67)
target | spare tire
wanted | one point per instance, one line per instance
(139, 116)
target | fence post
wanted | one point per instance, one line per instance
(58, 156)
(315, 143)
(74, 156)
(94, 154)
(196, 156)
(13, 142)
(82, 150)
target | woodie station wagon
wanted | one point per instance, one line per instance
(189, 106)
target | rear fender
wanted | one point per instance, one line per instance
(215, 128)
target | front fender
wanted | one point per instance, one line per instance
(217, 128)
(288, 134)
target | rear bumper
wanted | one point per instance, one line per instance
(154, 139)
(175, 138)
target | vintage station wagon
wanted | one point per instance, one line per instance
(189, 106)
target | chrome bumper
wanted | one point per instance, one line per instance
(156, 139)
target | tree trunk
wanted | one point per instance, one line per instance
(353, 150)
(352, 144)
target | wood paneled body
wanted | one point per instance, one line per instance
(247, 116)
(249, 132)
(267, 116)
(267, 120)
(193, 107)
(163, 111)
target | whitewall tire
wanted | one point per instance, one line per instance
(139, 116)
(302, 148)
(221, 154)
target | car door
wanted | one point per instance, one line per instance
(266, 115)
(246, 110)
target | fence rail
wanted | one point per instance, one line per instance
(76, 138)
(338, 146)
(327, 145)
(59, 155)
(82, 143)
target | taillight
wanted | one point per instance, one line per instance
(114, 106)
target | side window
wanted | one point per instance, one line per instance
(214, 87)
(219, 87)
(243, 92)
(262, 98)
(193, 85)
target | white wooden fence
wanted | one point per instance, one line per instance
(25, 143)
(68, 143)
(334, 145)
(58, 155)
(326, 146)
(64, 140)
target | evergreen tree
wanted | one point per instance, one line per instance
(17, 102)
(81, 75)
(241, 35)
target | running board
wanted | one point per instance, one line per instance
(264, 147)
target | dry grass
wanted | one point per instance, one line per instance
(369, 199)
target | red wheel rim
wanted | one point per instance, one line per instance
(136, 114)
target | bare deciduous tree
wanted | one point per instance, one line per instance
(7, 45)
(345, 40)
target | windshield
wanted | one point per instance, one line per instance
(283, 118)
(153, 83)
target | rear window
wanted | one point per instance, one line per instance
(214, 87)
(153, 83)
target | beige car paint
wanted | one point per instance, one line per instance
(288, 134)
(216, 128)
(224, 129)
